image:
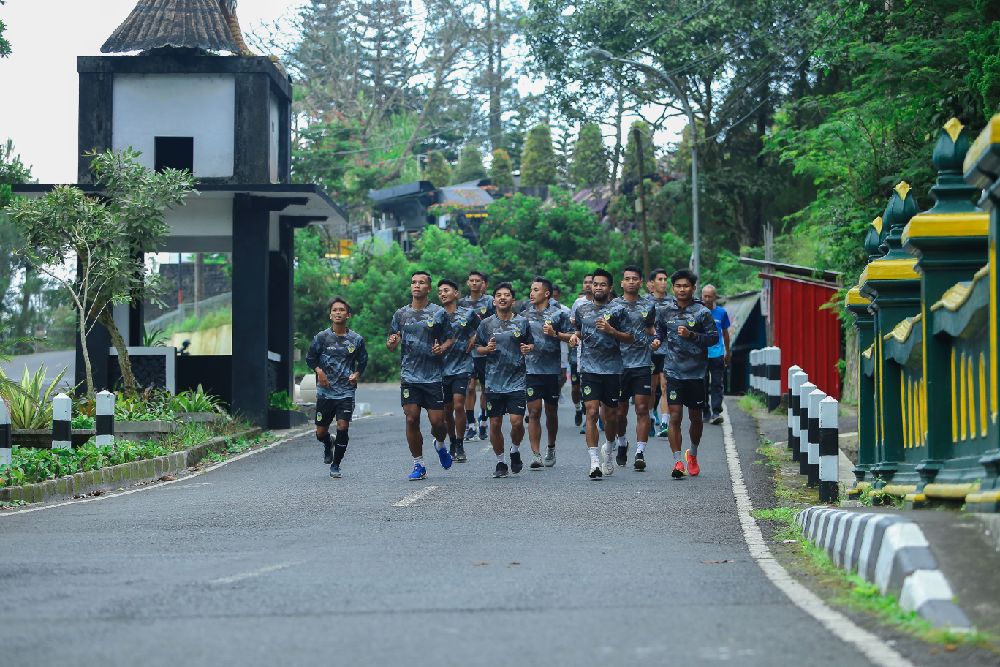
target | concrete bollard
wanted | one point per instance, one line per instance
(5, 434)
(805, 389)
(829, 451)
(62, 418)
(105, 420)
(793, 417)
(755, 372)
(772, 375)
(812, 468)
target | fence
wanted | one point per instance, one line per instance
(925, 309)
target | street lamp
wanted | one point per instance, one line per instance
(603, 55)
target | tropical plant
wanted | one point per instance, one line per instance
(195, 401)
(30, 400)
(155, 338)
(280, 400)
(148, 405)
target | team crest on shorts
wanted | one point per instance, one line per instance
(587, 390)
(489, 406)
(673, 396)
(531, 391)
(319, 416)
(406, 393)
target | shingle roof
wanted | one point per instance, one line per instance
(199, 24)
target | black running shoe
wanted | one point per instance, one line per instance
(515, 462)
(501, 470)
(460, 454)
(578, 419)
(327, 454)
(621, 458)
(640, 461)
(452, 450)
(595, 472)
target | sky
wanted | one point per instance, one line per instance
(39, 111)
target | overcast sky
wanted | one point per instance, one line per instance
(38, 108)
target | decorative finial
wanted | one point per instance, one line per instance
(954, 128)
(902, 189)
(898, 212)
(951, 193)
(873, 239)
(877, 224)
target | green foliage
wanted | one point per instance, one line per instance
(83, 422)
(195, 401)
(631, 168)
(29, 466)
(538, 160)
(502, 170)
(4, 44)
(30, 400)
(148, 405)
(590, 158)
(211, 320)
(154, 337)
(316, 282)
(437, 170)
(280, 400)
(470, 165)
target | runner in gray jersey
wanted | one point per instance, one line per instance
(422, 329)
(458, 365)
(481, 302)
(659, 293)
(600, 328)
(586, 294)
(637, 361)
(338, 357)
(504, 339)
(550, 326)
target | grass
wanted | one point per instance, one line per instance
(751, 405)
(216, 318)
(238, 446)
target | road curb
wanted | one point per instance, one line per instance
(122, 475)
(890, 552)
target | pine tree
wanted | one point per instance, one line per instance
(502, 170)
(470, 165)
(589, 167)
(437, 170)
(630, 169)
(538, 161)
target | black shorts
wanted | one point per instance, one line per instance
(637, 382)
(479, 369)
(427, 395)
(513, 403)
(604, 388)
(543, 387)
(689, 393)
(454, 384)
(328, 409)
(658, 363)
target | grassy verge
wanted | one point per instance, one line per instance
(238, 446)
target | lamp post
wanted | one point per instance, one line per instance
(607, 56)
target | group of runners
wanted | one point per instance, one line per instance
(655, 339)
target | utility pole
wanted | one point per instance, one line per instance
(641, 201)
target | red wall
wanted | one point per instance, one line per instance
(808, 336)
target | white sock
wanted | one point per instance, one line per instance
(677, 456)
(622, 441)
(418, 459)
(594, 459)
(500, 457)
(608, 447)
(515, 449)
(438, 445)
(640, 447)
(694, 450)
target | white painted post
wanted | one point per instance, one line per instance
(805, 389)
(5, 434)
(812, 469)
(829, 451)
(62, 417)
(105, 420)
(772, 376)
(754, 380)
(792, 417)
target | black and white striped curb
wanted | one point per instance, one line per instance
(890, 552)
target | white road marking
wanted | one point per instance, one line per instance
(160, 485)
(414, 497)
(871, 646)
(253, 573)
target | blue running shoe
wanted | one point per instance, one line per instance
(445, 457)
(335, 471)
(470, 434)
(419, 472)
(483, 435)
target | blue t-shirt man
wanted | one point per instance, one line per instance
(722, 323)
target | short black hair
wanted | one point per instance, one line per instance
(546, 283)
(422, 273)
(588, 275)
(684, 274)
(603, 274)
(480, 274)
(506, 286)
(656, 272)
(338, 299)
(450, 283)
(632, 268)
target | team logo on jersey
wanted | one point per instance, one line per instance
(406, 393)
(430, 323)
(350, 349)
(644, 312)
(607, 316)
(483, 310)
(517, 334)
(531, 391)
(549, 322)
(461, 323)
(690, 323)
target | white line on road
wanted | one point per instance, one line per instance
(253, 573)
(414, 497)
(871, 646)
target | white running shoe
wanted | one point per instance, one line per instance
(608, 459)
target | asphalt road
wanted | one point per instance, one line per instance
(269, 561)
(53, 361)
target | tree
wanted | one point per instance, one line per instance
(501, 170)
(538, 161)
(470, 165)
(590, 159)
(12, 172)
(631, 169)
(437, 170)
(4, 44)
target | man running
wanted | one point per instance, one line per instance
(718, 356)
(686, 328)
(339, 358)
(504, 339)
(599, 331)
(563, 345)
(482, 303)
(549, 327)
(458, 365)
(586, 295)
(659, 282)
(422, 328)
(637, 362)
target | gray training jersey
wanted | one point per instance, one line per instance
(505, 368)
(687, 358)
(547, 357)
(599, 351)
(420, 328)
(483, 307)
(339, 357)
(640, 314)
(463, 323)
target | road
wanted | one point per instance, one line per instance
(53, 361)
(269, 561)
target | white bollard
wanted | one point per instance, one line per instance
(105, 419)
(772, 376)
(829, 451)
(5, 434)
(792, 417)
(812, 469)
(62, 418)
(805, 389)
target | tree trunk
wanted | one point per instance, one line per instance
(107, 318)
(81, 319)
(617, 155)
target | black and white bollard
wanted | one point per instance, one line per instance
(829, 451)
(755, 372)
(62, 418)
(804, 390)
(772, 375)
(105, 420)
(4, 434)
(793, 418)
(816, 396)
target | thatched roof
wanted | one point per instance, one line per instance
(197, 24)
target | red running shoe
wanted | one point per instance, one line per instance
(692, 461)
(678, 471)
